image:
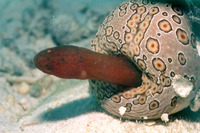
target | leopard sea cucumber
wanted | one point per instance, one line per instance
(158, 38)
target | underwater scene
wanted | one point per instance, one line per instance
(103, 66)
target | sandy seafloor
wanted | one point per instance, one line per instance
(32, 102)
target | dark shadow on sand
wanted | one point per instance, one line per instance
(72, 109)
(89, 104)
(186, 115)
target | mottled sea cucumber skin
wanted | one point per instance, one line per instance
(157, 37)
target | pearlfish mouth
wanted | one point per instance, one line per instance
(73, 62)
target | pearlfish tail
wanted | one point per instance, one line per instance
(73, 62)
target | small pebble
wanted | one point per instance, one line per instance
(164, 117)
(122, 110)
(24, 89)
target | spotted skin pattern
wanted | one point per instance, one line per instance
(158, 39)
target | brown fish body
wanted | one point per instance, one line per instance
(72, 62)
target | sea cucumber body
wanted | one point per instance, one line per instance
(159, 40)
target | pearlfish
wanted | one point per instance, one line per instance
(73, 62)
(145, 63)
